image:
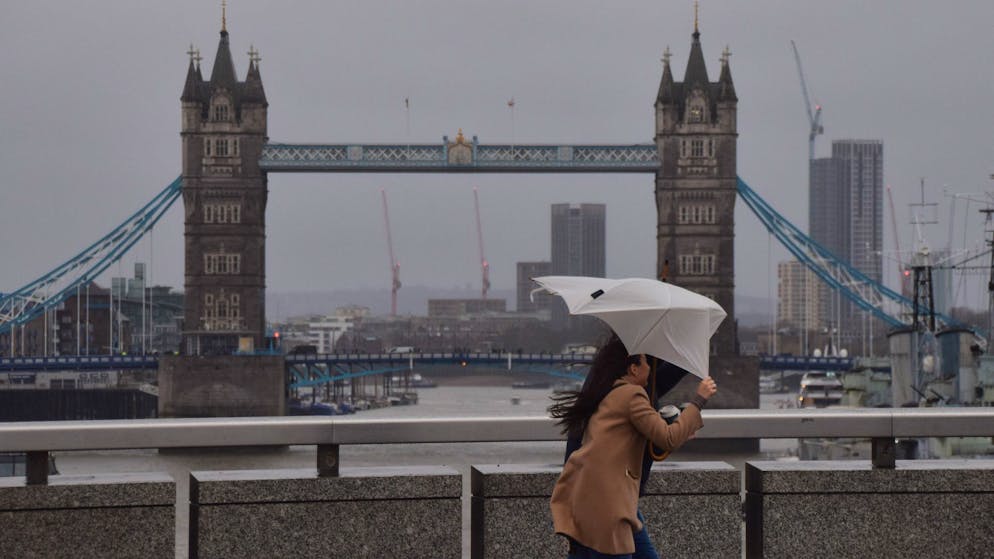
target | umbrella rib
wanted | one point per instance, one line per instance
(645, 334)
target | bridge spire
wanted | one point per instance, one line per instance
(253, 91)
(223, 74)
(254, 57)
(726, 89)
(191, 88)
(696, 32)
(697, 72)
(665, 94)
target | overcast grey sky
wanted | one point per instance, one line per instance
(89, 114)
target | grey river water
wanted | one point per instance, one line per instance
(444, 401)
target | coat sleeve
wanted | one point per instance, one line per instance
(646, 420)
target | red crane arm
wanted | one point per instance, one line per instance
(394, 265)
(484, 265)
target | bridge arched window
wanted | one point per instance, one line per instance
(222, 312)
(226, 212)
(221, 111)
(696, 214)
(222, 263)
(697, 148)
(695, 113)
(209, 306)
(221, 147)
(697, 264)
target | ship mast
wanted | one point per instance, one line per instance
(989, 228)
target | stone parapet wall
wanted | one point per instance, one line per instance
(510, 510)
(411, 512)
(929, 508)
(107, 516)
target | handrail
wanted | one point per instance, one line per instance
(876, 423)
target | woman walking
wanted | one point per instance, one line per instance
(595, 502)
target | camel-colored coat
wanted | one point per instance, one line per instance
(596, 498)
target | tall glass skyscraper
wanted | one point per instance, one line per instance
(846, 217)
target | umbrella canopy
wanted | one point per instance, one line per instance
(651, 317)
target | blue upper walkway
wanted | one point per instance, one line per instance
(460, 157)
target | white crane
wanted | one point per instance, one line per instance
(814, 118)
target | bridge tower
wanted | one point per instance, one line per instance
(696, 136)
(224, 198)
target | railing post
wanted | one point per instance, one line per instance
(36, 468)
(883, 453)
(328, 460)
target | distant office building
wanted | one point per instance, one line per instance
(451, 308)
(326, 331)
(130, 317)
(541, 300)
(578, 247)
(797, 297)
(578, 240)
(846, 217)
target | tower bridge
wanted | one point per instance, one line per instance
(227, 158)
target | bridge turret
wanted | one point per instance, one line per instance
(191, 89)
(666, 107)
(224, 196)
(696, 184)
(727, 105)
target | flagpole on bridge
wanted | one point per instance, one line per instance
(407, 124)
(510, 105)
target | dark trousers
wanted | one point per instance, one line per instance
(643, 547)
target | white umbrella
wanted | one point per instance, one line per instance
(651, 317)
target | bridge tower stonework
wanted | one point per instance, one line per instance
(224, 198)
(223, 132)
(696, 188)
(696, 136)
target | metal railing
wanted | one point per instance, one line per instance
(882, 425)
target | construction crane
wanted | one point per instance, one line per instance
(814, 118)
(484, 265)
(904, 273)
(394, 265)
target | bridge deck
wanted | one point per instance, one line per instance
(460, 158)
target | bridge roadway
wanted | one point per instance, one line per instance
(148, 362)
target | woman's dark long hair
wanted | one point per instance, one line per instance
(574, 408)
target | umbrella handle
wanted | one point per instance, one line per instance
(658, 457)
